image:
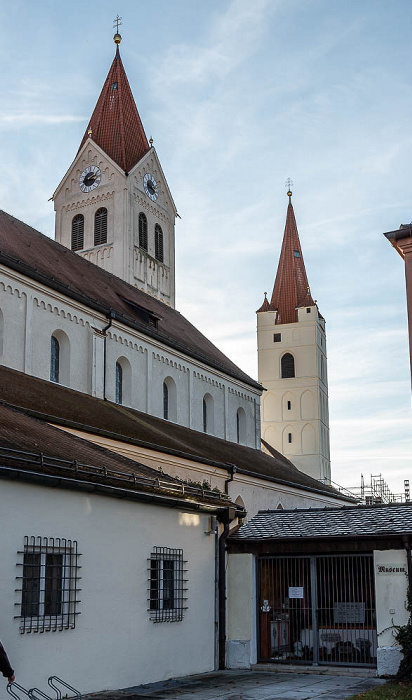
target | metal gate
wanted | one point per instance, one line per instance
(317, 609)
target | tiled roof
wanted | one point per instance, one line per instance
(291, 289)
(67, 407)
(40, 258)
(115, 123)
(318, 523)
(32, 446)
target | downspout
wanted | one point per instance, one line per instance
(232, 469)
(104, 332)
(227, 517)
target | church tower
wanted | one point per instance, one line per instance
(292, 363)
(114, 206)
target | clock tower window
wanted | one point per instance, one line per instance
(100, 226)
(78, 232)
(158, 243)
(142, 231)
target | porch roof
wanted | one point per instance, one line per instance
(326, 523)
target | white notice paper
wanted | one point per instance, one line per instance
(296, 592)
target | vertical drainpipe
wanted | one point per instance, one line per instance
(227, 516)
(104, 331)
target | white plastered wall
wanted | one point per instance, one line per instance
(114, 643)
(241, 616)
(391, 584)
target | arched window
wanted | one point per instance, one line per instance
(78, 232)
(119, 383)
(123, 382)
(55, 360)
(241, 426)
(60, 358)
(208, 414)
(100, 226)
(169, 399)
(142, 231)
(287, 366)
(158, 243)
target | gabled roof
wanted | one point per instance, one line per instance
(38, 257)
(76, 410)
(291, 289)
(115, 124)
(321, 523)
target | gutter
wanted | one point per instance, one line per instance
(114, 491)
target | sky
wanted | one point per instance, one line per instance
(239, 96)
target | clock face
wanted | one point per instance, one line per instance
(90, 178)
(151, 187)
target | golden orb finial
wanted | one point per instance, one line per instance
(151, 142)
(116, 22)
(289, 185)
(89, 132)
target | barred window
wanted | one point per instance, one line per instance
(78, 232)
(166, 585)
(158, 243)
(100, 226)
(142, 231)
(48, 582)
(287, 366)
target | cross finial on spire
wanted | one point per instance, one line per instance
(289, 185)
(116, 22)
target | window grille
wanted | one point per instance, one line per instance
(78, 232)
(165, 401)
(54, 360)
(48, 576)
(119, 383)
(142, 231)
(167, 585)
(158, 243)
(100, 226)
(288, 366)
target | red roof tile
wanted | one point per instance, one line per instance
(115, 123)
(291, 289)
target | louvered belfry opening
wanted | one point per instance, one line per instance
(317, 609)
(287, 366)
(100, 226)
(78, 232)
(142, 231)
(158, 243)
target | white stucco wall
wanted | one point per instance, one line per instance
(114, 644)
(240, 611)
(391, 584)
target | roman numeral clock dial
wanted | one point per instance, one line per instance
(151, 187)
(90, 178)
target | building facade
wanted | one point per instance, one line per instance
(292, 364)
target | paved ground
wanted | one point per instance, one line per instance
(249, 685)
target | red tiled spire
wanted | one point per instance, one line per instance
(115, 124)
(291, 289)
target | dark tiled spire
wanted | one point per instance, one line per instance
(115, 124)
(291, 289)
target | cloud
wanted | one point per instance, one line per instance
(31, 119)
